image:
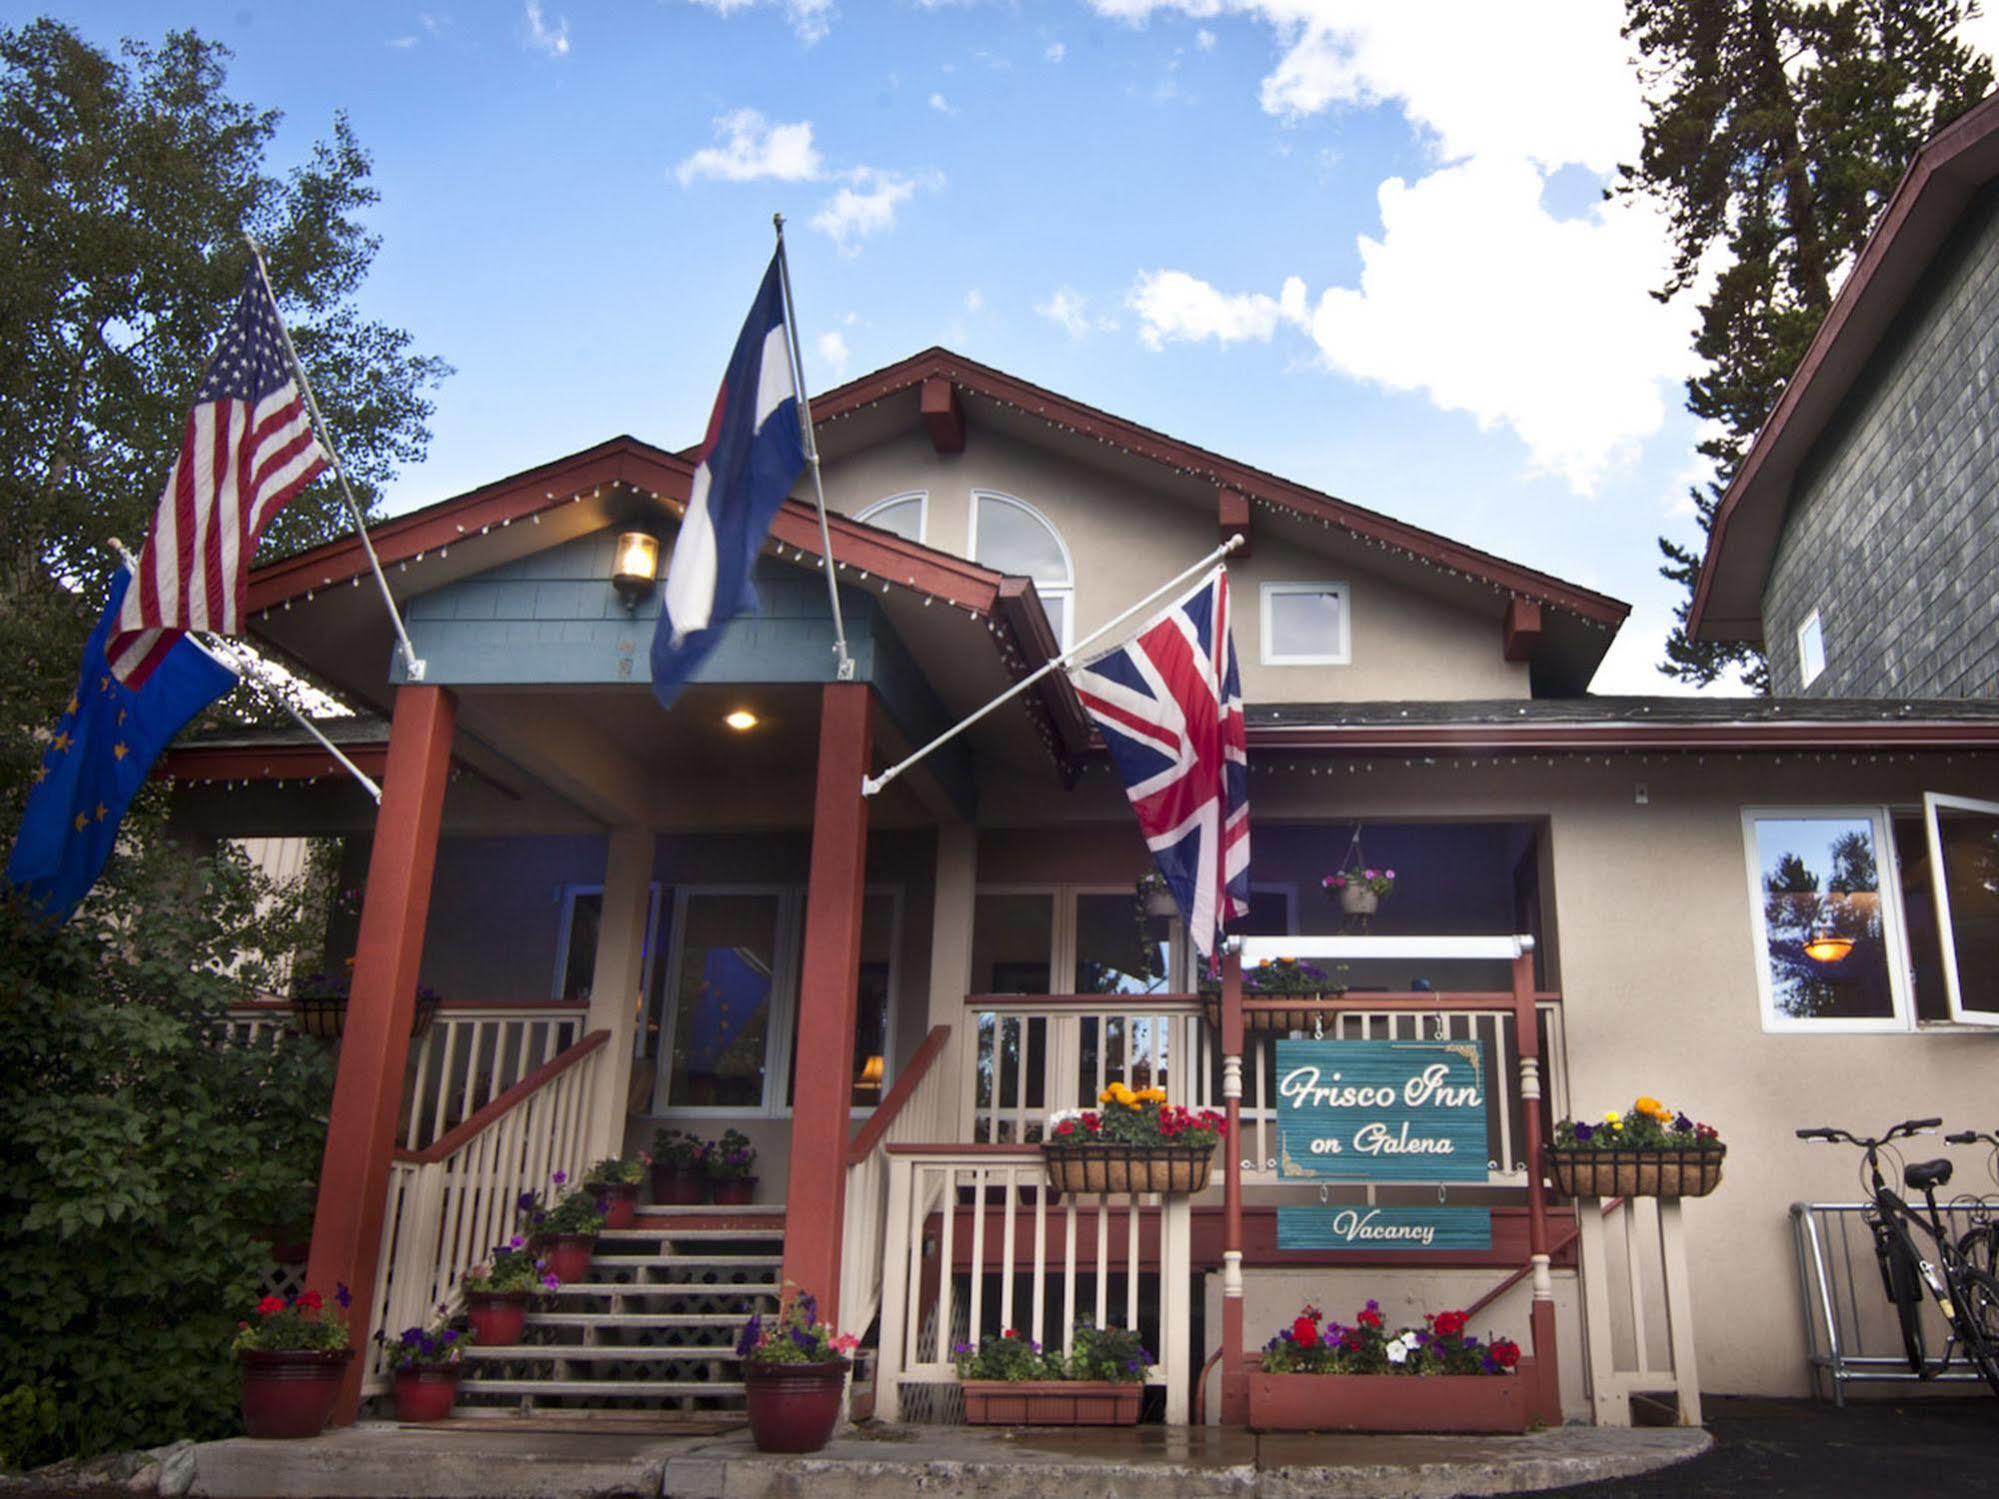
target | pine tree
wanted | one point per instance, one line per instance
(1777, 130)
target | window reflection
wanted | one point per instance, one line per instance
(1824, 940)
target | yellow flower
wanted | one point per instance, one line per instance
(1646, 1104)
(1149, 1095)
(1118, 1093)
(1612, 1118)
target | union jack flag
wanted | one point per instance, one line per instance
(248, 448)
(1169, 704)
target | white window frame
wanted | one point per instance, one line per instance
(1066, 590)
(1811, 649)
(922, 498)
(1342, 655)
(565, 928)
(1940, 893)
(1893, 936)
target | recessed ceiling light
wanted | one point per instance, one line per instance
(741, 720)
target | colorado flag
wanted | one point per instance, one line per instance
(752, 456)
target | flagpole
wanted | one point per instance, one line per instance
(411, 660)
(246, 663)
(846, 662)
(870, 785)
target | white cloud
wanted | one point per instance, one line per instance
(751, 149)
(833, 353)
(810, 20)
(553, 41)
(1056, 51)
(1174, 307)
(1204, 39)
(865, 209)
(1069, 310)
(941, 104)
(974, 300)
(404, 43)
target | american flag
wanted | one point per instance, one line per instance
(1169, 704)
(247, 449)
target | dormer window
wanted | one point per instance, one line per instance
(1012, 537)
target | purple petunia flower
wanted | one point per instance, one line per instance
(1683, 1125)
(412, 1336)
(450, 1334)
(1585, 1131)
(752, 1330)
(524, 1202)
(551, 1282)
(516, 1242)
(342, 1297)
(560, 1177)
(1132, 1366)
(802, 1340)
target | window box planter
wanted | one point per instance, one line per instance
(426, 1392)
(568, 1255)
(290, 1394)
(674, 1188)
(794, 1407)
(1112, 1167)
(497, 1318)
(1051, 1402)
(1635, 1173)
(1451, 1403)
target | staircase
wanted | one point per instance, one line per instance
(653, 1326)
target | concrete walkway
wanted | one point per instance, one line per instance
(483, 1460)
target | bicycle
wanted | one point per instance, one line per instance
(1979, 1244)
(1967, 1296)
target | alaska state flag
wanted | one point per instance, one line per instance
(104, 747)
(753, 454)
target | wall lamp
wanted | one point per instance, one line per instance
(636, 568)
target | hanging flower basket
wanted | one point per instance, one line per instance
(1300, 1016)
(1636, 1173)
(319, 1008)
(1358, 900)
(1113, 1167)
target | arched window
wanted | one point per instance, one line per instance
(901, 513)
(1010, 536)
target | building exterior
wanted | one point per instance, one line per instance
(702, 926)
(1859, 543)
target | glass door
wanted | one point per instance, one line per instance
(732, 971)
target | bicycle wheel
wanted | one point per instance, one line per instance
(1977, 1305)
(1980, 1248)
(1902, 1279)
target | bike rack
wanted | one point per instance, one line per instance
(1851, 1335)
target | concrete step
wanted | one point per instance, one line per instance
(590, 1353)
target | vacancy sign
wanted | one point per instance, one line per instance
(1381, 1111)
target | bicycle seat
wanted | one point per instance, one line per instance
(1926, 1174)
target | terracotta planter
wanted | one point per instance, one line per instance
(1051, 1402)
(288, 1395)
(794, 1407)
(497, 1318)
(678, 1189)
(1389, 1402)
(735, 1192)
(621, 1202)
(1128, 1168)
(568, 1256)
(1358, 900)
(427, 1392)
(1635, 1173)
(1298, 1015)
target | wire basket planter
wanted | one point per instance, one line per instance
(1635, 1173)
(1113, 1167)
(323, 1013)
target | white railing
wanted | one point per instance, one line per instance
(922, 1106)
(1029, 1054)
(974, 1245)
(469, 1055)
(450, 1203)
(1637, 1303)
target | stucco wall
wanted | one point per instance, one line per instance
(1894, 530)
(1125, 541)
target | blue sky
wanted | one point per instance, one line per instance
(1360, 244)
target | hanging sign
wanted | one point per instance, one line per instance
(1358, 1226)
(1382, 1111)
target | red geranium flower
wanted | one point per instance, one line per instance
(270, 1306)
(1066, 1127)
(1450, 1324)
(1305, 1333)
(311, 1301)
(1505, 1352)
(1369, 1318)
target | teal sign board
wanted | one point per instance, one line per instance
(1381, 1111)
(1358, 1226)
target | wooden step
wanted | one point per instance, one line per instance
(637, 1389)
(692, 1235)
(590, 1353)
(668, 1261)
(635, 1319)
(765, 1289)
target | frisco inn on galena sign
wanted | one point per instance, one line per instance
(1382, 1111)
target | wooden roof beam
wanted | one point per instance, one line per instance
(1232, 509)
(943, 415)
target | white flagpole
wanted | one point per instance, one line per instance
(846, 662)
(872, 784)
(411, 660)
(246, 663)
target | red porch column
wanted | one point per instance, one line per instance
(815, 1202)
(1547, 1394)
(374, 1044)
(1235, 1372)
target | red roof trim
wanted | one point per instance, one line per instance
(1088, 421)
(1932, 167)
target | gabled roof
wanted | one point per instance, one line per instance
(1187, 459)
(1749, 523)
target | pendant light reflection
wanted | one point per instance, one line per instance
(742, 720)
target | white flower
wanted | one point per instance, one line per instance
(1397, 1353)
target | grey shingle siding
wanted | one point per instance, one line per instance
(1893, 534)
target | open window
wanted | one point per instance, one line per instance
(1964, 871)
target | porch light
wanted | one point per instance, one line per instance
(742, 720)
(637, 566)
(872, 1071)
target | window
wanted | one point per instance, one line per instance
(1964, 868)
(1011, 536)
(904, 514)
(1306, 624)
(1811, 649)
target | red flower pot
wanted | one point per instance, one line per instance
(426, 1392)
(794, 1407)
(568, 1256)
(621, 1202)
(497, 1318)
(736, 1192)
(290, 1394)
(678, 1189)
